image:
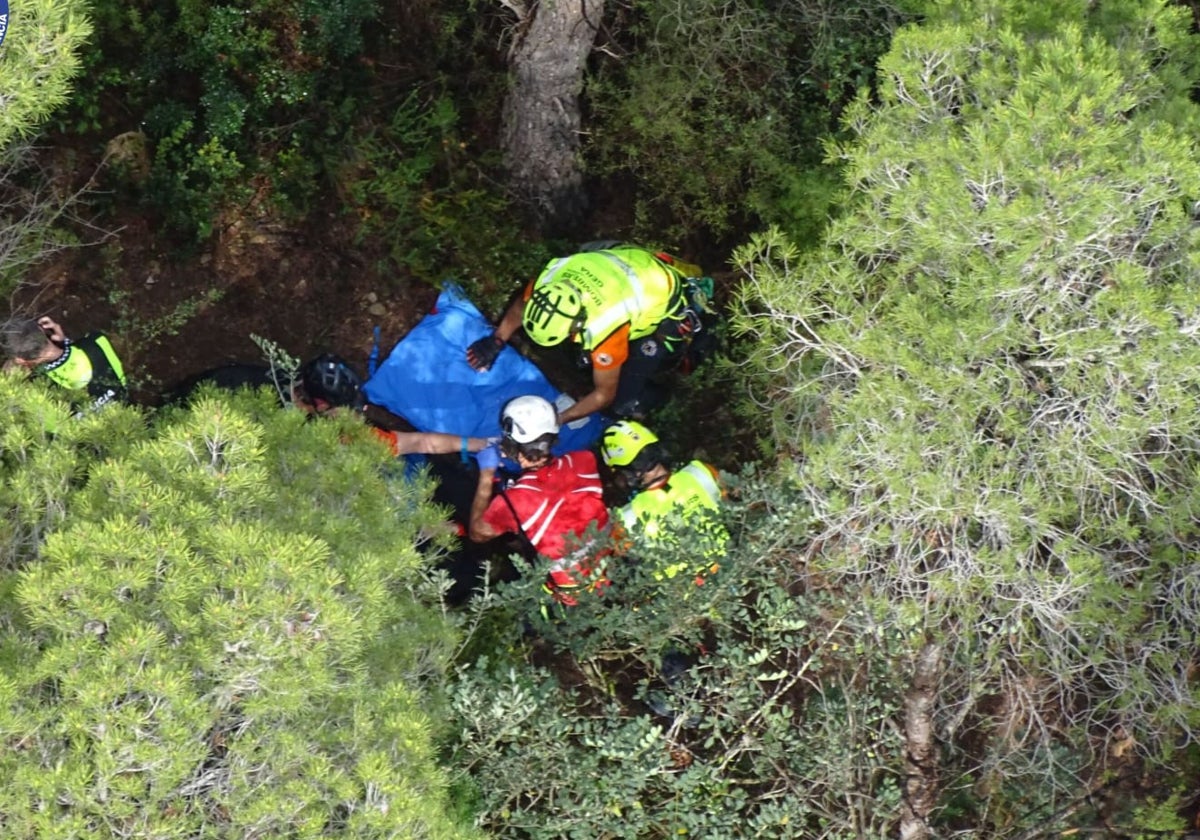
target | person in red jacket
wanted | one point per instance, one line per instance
(555, 503)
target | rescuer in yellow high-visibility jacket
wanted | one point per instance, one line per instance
(665, 501)
(627, 309)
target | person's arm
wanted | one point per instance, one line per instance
(477, 529)
(436, 443)
(604, 391)
(511, 321)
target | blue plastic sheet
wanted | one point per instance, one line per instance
(427, 381)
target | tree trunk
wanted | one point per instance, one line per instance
(920, 748)
(541, 113)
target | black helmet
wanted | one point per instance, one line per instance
(331, 379)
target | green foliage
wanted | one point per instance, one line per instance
(229, 95)
(190, 177)
(993, 367)
(284, 366)
(702, 419)
(801, 199)
(1157, 818)
(718, 104)
(205, 631)
(138, 331)
(38, 59)
(415, 187)
(783, 725)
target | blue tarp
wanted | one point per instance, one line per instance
(427, 381)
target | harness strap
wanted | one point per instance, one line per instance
(516, 518)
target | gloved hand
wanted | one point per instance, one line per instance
(482, 353)
(489, 458)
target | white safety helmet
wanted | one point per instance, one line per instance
(527, 419)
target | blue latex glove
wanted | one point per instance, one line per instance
(489, 458)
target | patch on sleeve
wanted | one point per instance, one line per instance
(604, 359)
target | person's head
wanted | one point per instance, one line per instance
(530, 426)
(553, 313)
(328, 382)
(632, 452)
(27, 344)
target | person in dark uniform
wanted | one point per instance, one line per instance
(89, 369)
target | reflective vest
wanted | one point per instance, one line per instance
(692, 498)
(619, 286)
(90, 365)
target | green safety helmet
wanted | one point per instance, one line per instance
(624, 441)
(553, 312)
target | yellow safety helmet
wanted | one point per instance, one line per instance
(624, 441)
(553, 313)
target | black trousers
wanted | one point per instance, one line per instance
(637, 393)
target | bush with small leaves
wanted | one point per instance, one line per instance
(227, 94)
(750, 706)
(716, 110)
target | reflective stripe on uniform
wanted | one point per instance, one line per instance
(621, 286)
(703, 476)
(639, 308)
(690, 497)
(72, 370)
(551, 269)
(90, 364)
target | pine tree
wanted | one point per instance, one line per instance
(207, 631)
(990, 370)
(37, 61)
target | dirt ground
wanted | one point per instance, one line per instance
(173, 312)
(169, 317)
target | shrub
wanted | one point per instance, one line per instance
(416, 187)
(782, 725)
(227, 93)
(205, 627)
(714, 107)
